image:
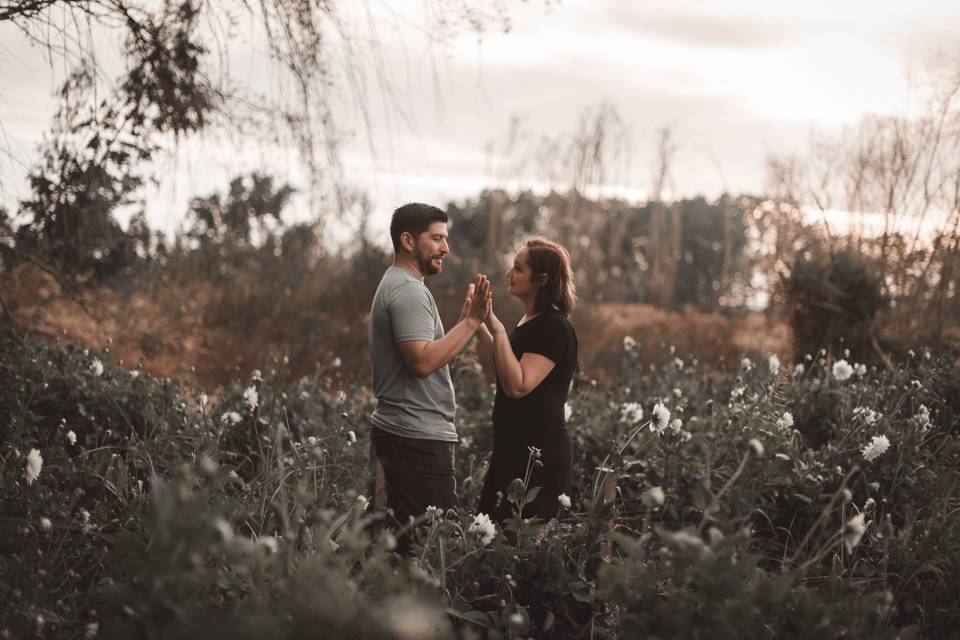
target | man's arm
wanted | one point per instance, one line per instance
(423, 357)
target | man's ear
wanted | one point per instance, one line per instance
(407, 241)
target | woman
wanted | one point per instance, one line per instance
(534, 366)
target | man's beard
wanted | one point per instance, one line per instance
(425, 263)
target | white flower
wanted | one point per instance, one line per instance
(312, 441)
(34, 464)
(631, 412)
(363, 502)
(877, 446)
(869, 416)
(736, 393)
(351, 437)
(96, 367)
(92, 630)
(483, 525)
(757, 447)
(785, 422)
(336, 363)
(773, 363)
(341, 397)
(84, 516)
(653, 498)
(251, 397)
(629, 343)
(842, 370)
(45, 523)
(676, 425)
(798, 370)
(564, 500)
(854, 531)
(433, 513)
(567, 412)
(661, 417)
(923, 418)
(202, 401)
(746, 364)
(232, 417)
(71, 437)
(223, 529)
(678, 393)
(869, 504)
(861, 369)
(256, 375)
(679, 363)
(268, 543)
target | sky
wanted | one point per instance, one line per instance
(735, 81)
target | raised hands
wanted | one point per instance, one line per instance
(476, 305)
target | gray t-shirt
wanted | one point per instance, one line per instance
(403, 310)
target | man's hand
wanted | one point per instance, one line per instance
(466, 302)
(479, 301)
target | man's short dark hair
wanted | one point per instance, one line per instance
(414, 218)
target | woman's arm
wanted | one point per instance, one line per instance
(485, 353)
(517, 377)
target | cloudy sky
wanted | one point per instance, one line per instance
(735, 81)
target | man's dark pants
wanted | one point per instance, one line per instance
(408, 475)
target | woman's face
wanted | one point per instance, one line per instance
(521, 281)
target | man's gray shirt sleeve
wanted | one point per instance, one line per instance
(412, 313)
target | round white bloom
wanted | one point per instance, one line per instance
(202, 401)
(312, 441)
(84, 516)
(564, 500)
(341, 397)
(653, 498)
(923, 418)
(861, 369)
(842, 370)
(875, 448)
(336, 363)
(92, 630)
(251, 397)
(45, 524)
(746, 364)
(785, 422)
(223, 529)
(96, 367)
(351, 437)
(798, 370)
(71, 437)
(34, 464)
(773, 363)
(868, 415)
(854, 531)
(678, 393)
(869, 504)
(363, 502)
(567, 412)
(679, 363)
(232, 417)
(661, 417)
(631, 412)
(676, 425)
(133, 374)
(629, 343)
(433, 513)
(484, 526)
(268, 543)
(757, 447)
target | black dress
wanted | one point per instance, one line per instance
(535, 420)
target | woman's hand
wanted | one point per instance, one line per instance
(493, 322)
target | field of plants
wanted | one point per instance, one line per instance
(778, 500)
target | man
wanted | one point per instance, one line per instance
(413, 435)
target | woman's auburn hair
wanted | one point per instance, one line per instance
(552, 260)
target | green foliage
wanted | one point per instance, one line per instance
(242, 515)
(834, 298)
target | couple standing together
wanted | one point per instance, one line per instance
(413, 436)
